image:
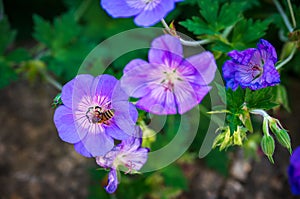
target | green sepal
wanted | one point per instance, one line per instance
(268, 146)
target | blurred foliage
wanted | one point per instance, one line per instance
(62, 38)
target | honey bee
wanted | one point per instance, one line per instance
(96, 114)
(106, 116)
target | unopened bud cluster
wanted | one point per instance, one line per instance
(281, 135)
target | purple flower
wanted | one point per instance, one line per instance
(146, 12)
(168, 83)
(128, 156)
(294, 172)
(252, 68)
(95, 111)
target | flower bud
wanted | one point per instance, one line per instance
(284, 139)
(268, 146)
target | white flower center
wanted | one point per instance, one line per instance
(171, 76)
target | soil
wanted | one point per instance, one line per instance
(36, 164)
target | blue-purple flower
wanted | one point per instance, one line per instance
(146, 12)
(169, 83)
(128, 156)
(95, 111)
(252, 68)
(294, 172)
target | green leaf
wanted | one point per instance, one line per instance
(43, 31)
(218, 160)
(174, 177)
(261, 99)
(282, 97)
(7, 74)
(215, 16)
(197, 26)
(235, 99)
(18, 55)
(7, 35)
(221, 92)
(247, 31)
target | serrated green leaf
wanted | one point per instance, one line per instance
(261, 99)
(235, 99)
(197, 26)
(43, 31)
(222, 47)
(247, 31)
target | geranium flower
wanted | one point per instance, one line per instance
(94, 111)
(128, 156)
(252, 68)
(294, 172)
(168, 83)
(146, 12)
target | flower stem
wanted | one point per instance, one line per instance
(81, 9)
(292, 13)
(287, 59)
(283, 15)
(51, 80)
(185, 42)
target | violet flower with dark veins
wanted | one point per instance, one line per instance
(169, 83)
(95, 111)
(253, 68)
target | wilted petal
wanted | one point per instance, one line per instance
(112, 181)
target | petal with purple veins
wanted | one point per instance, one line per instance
(66, 127)
(205, 65)
(152, 16)
(166, 50)
(119, 8)
(159, 101)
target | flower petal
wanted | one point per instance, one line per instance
(166, 50)
(66, 127)
(159, 101)
(79, 147)
(138, 80)
(98, 143)
(104, 86)
(205, 65)
(134, 63)
(112, 181)
(267, 51)
(124, 121)
(119, 8)
(67, 93)
(152, 16)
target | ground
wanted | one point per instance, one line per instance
(35, 163)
